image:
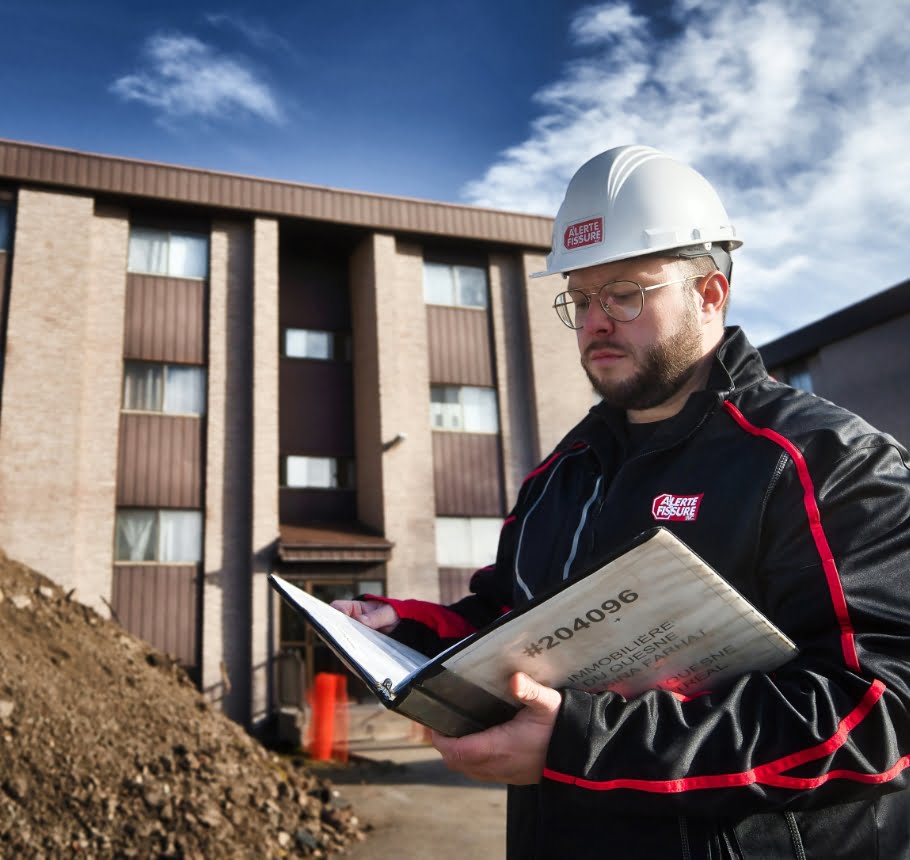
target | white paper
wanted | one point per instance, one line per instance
(380, 657)
(684, 630)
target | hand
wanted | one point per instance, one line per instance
(514, 752)
(371, 613)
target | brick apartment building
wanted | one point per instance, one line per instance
(208, 377)
(857, 357)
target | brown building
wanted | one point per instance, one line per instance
(858, 357)
(207, 377)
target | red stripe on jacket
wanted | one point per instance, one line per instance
(448, 624)
(848, 645)
(766, 774)
(544, 466)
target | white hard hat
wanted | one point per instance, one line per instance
(631, 201)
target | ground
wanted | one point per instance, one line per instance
(107, 750)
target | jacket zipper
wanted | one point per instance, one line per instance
(684, 837)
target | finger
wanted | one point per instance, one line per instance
(536, 696)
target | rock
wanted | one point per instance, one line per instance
(107, 753)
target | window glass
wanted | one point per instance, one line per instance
(467, 541)
(5, 226)
(800, 377)
(188, 255)
(184, 390)
(466, 407)
(472, 286)
(462, 286)
(329, 473)
(180, 536)
(148, 251)
(172, 388)
(143, 386)
(137, 535)
(164, 536)
(453, 542)
(307, 343)
(312, 472)
(438, 286)
(479, 410)
(158, 252)
(445, 409)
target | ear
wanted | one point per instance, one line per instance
(713, 290)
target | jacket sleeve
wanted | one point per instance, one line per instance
(431, 627)
(831, 726)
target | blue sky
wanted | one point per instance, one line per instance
(797, 111)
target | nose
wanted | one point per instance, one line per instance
(596, 319)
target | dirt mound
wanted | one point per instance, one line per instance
(107, 750)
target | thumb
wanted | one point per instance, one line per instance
(536, 696)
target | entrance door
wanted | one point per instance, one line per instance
(301, 652)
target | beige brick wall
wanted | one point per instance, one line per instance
(562, 394)
(513, 371)
(404, 392)
(227, 614)
(61, 392)
(265, 452)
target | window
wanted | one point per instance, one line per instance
(6, 224)
(466, 541)
(177, 389)
(462, 286)
(796, 375)
(463, 407)
(310, 343)
(159, 252)
(326, 473)
(165, 536)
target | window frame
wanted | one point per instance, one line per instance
(169, 235)
(158, 535)
(165, 367)
(455, 285)
(460, 389)
(340, 345)
(343, 472)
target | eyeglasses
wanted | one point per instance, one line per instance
(620, 300)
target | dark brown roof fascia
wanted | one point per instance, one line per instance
(70, 169)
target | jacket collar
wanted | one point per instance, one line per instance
(737, 365)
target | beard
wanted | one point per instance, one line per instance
(663, 369)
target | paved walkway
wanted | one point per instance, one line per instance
(418, 808)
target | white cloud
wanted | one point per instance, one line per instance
(798, 112)
(254, 31)
(184, 77)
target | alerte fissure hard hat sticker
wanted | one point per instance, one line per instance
(583, 233)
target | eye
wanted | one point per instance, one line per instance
(622, 294)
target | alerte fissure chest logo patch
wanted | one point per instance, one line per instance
(582, 233)
(670, 508)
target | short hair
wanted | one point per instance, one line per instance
(705, 265)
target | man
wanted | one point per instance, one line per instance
(802, 506)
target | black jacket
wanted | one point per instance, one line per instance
(805, 509)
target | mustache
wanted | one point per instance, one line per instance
(602, 344)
